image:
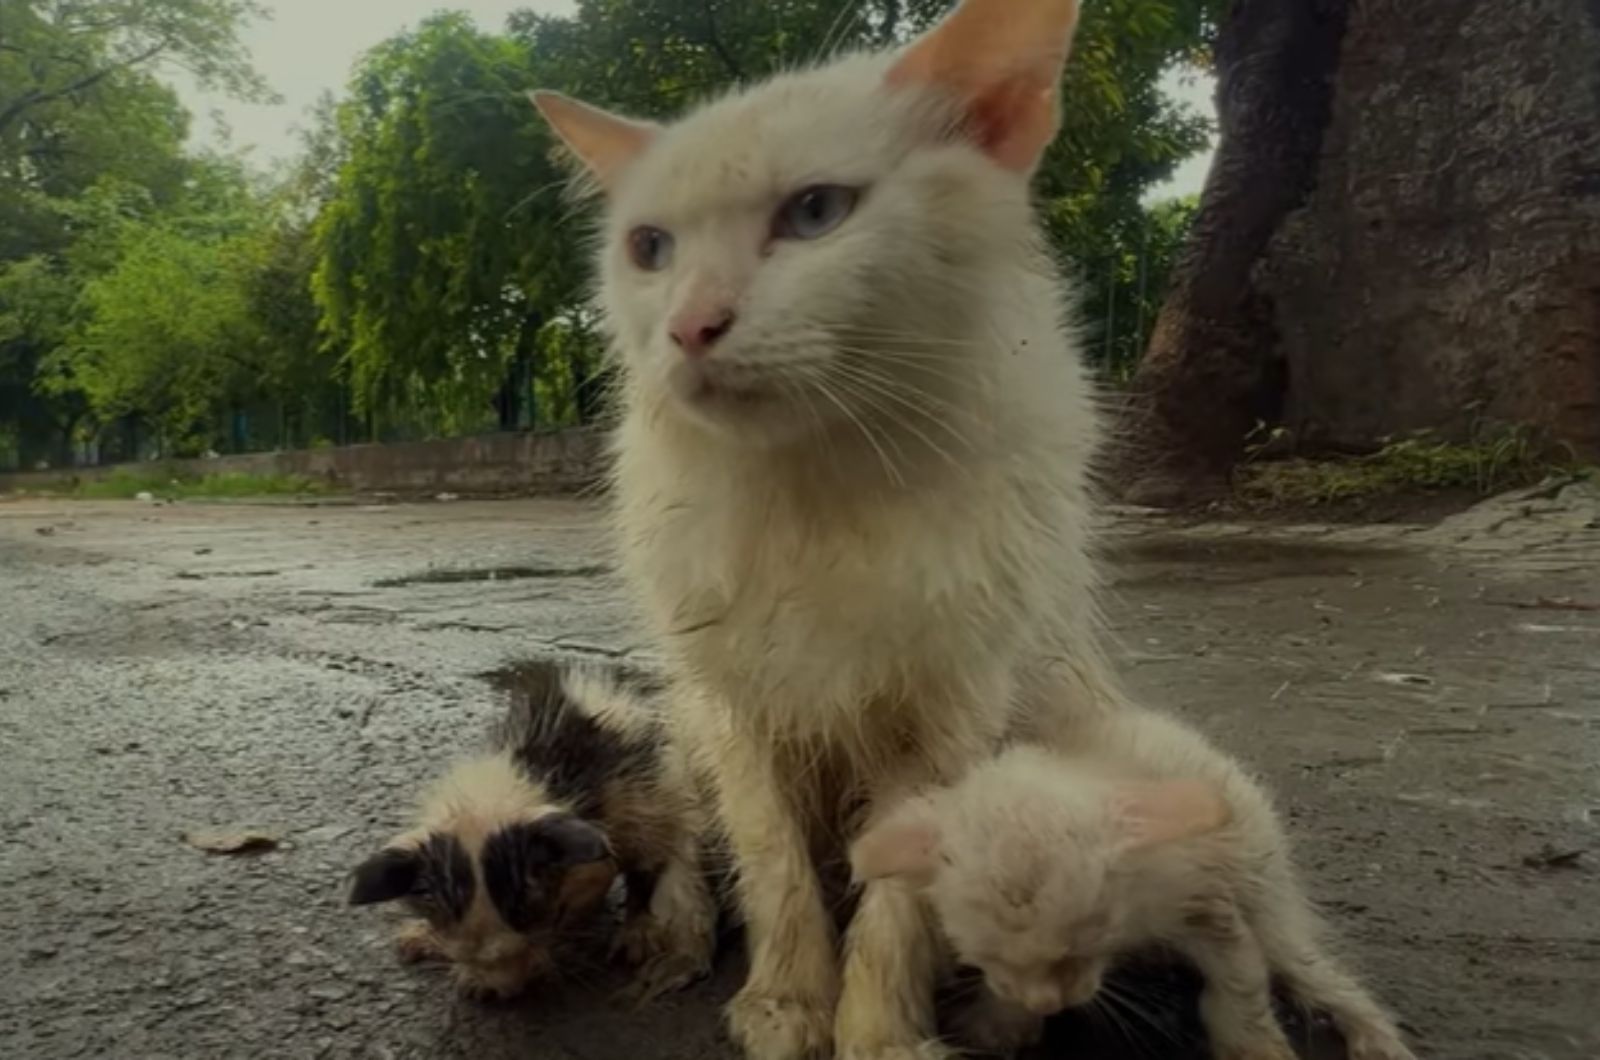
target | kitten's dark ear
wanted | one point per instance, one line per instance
(604, 142)
(1001, 60)
(562, 839)
(580, 851)
(389, 874)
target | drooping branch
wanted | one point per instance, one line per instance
(36, 97)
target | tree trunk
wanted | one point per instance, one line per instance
(1401, 232)
(516, 392)
(1210, 371)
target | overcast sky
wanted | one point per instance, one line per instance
(311, 45)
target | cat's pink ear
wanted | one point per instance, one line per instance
(904, 845)
(1002, 60)
(603, 141)
(1164, 811)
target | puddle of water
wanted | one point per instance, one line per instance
(452, 575)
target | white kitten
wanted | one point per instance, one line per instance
(851, 470)
(1044, 866)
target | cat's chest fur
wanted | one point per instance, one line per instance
(807, 611)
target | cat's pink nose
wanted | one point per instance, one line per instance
(695, 331)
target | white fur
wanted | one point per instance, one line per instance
(1042, 866)
(872, 538)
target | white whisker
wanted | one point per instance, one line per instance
(855, 388)
(888, 465)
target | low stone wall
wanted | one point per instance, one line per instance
(546, 462)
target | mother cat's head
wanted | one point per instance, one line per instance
(831, 245)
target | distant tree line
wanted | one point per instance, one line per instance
(415, 271)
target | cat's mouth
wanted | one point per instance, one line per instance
(703, 388)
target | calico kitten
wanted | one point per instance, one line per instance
(514, 852)
(1044, 866)
(851, 478)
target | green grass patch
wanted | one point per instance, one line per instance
(187, 485)
(1422, 463)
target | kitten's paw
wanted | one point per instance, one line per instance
(926, 1050)
(995, 1026)
(486, 988)
(766, 1027)
(1380, 1044)
(503, 980)
(666, 959)
(663, 974)
(415, 942)
(639, 940)
(1267, 1049)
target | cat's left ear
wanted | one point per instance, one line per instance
(1164, 811)
(1002, 60)
(604, 142)
(904, 845)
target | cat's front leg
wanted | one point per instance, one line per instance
(892, 961)
(785, 1009)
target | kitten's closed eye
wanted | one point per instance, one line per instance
(815, 211)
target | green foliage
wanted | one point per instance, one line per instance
(1495, 459)
(173, 483)
(439, 257)
(190, 313)
(446, 256)
(89, 140)
(418, 264)
(1125, 280)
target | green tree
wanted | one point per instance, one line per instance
(88, 136)
(199, 321)
(1124, 286)
(449, 265)
(444, 248)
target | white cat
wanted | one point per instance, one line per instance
(1043, 866)
(851, 471)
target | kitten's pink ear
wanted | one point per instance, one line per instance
(604, 142)
(1002, 59)
(1164, 811)
(905, 845)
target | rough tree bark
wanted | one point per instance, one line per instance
(1401, 231)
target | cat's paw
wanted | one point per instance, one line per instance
(925, 1050)
(415, 942)
(768, 1027)
(995, 1026)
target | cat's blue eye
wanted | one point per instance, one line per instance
(650, 248)
(814, 211)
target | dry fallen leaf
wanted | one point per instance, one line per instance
(232, 841)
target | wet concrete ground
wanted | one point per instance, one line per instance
(1426, 703)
